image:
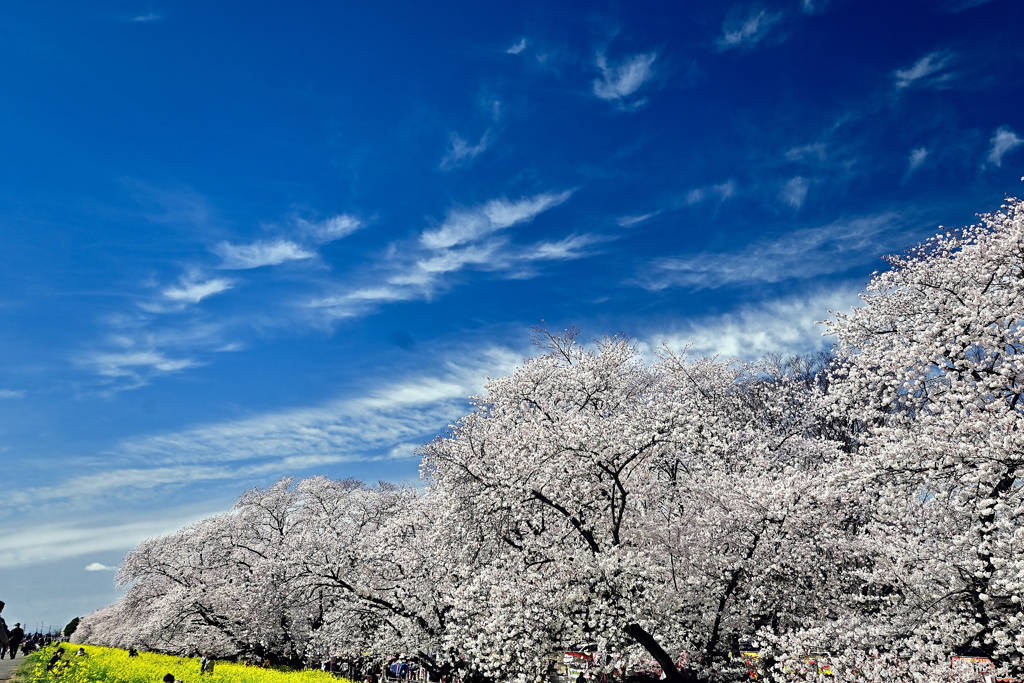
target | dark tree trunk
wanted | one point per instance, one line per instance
(647, 641)
(433, 668)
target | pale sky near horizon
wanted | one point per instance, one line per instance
(247, 241)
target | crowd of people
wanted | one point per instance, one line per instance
(372, 670)
(13, 640)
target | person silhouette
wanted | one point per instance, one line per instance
(4, 639)
(15, 637)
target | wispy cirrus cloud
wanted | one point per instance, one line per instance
(619, 82)
(461, 152)
(281, 250)
(260, 253)
(146, 344)
(28, 543)
(518, 47)
(143, 481)
(377, 424)
(346, 430)
(802, 253)
(716, 193)
(719, 192)
(570, 248)
(786, 326)
(917, 158)
(145, 18)
(143, 346)
(813, 151)
(192, 290)
(330, 229)
(794, 191)
(12, 393)
(744, 31)
(133, 363)
(471, 237)
(630, 221)
(1003, 141)
(466, 225)
(929, 71)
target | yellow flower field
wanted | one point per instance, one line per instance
(107, 665)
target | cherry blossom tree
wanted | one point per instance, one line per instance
(225, 584)
(371, 554)
(932, 364)
(675, 506)
(293, 569)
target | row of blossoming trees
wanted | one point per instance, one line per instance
(868, 507)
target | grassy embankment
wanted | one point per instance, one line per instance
(107, 665)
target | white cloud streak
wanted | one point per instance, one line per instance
(620, 81)
(747, 31)
(695, 196)
(192, 291)
(259, 254)
(925, 71)
(916, 158)
(469, 237)
(815, 150)
(461, 152)
(128, 363)
(800, 254)
(138, 350)
(12, 393)
(630, 221)
(517, 48)
(97, 567)
(331, 229)
(570, 248)
(467, 225)
(794, 191)
(785, 326)
(276, 444)
(32, 543)
(345, 430)
(722, 191)
(144, 345)
(1004, 140)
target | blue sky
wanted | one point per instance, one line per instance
(244, 241)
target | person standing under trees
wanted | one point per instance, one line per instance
(205, 664)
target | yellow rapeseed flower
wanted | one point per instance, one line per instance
(109, 665)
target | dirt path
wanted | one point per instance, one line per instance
(7, 667)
